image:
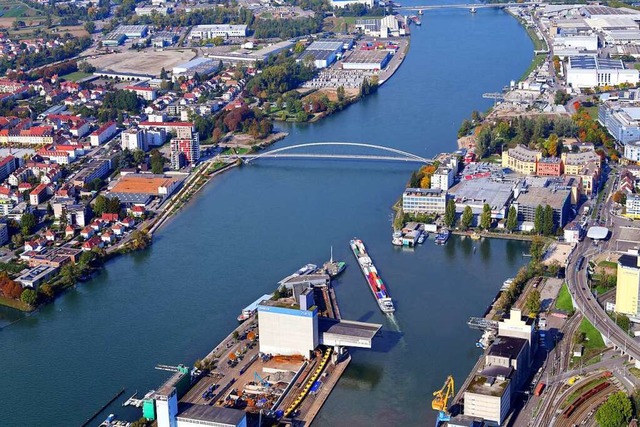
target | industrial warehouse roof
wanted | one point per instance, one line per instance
(348, 328)
(214, 414)
(367, 56)
(598, 233)
(482, 190)
(587, 62)
(326, 45)
(317, 55)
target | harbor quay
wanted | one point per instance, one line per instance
(279, 365)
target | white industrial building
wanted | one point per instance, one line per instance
(380, 27)
(583, 42)
(622, 36)
(287, 331)
(324, 53)
(202, 66)
(203, 32)
(584, 71)
(367, 60)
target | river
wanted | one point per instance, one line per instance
(256, 224)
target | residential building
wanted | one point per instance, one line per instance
(632, 206)
(424, 201)
(521, 159)
(39, 194)
(144, 92)
(628, 284)
(7, 166)
(573, 163)
(4, 234)
(549, 166)
(133, 139)
(35, 135)
(103, 134)
(98, 168)
(189, 147)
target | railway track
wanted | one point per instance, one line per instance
(581, 412)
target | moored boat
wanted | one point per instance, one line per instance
(442, 237)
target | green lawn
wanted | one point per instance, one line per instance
(564, 302)
(593, 341)
(18, 305)
(608, 264)
(74, 77)
(593, 112)
(535, 63)
(16, 9)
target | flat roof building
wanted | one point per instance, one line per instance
(559, 199)
(424, 200)
(367, 60)
(521, 159)
(488, 395)
(210, 31)
(628, 284)
(585, 71)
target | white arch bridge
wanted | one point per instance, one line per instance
(400, 156)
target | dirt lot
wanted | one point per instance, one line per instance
(147, 61)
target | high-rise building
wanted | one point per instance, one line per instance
(628, 284)
(190, 147)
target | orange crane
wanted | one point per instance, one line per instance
(440, 402)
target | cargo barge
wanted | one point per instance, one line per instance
(377, 287)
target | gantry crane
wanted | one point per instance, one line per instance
(441, 400)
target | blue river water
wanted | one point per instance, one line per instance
(256, 224)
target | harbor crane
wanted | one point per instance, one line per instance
(257, 378)
(440, 402)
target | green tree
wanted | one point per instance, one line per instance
(47, 291)
(138, 156)
(512, 219)
(398, 221)
(537, 247)
(27, 223)
(548, 226)
(615, 412)
(89, 26)
(157, 162)
(538, 220)
(450, 213)
(29, 296)
(70, 273)
(485, 217)
(467, 218)
(533, 303)
(100, 205)
(49, 209)
(340, 93)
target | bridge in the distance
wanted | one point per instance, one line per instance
(283, 153)
(466, 6)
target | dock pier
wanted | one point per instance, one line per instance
(93, 417)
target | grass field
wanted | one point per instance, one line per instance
(593, 112)
(16, 9)
(74, 77)
(18, 305)
(535, 63)
(564, 302)
(593, 343)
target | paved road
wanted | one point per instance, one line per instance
(579, 288)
